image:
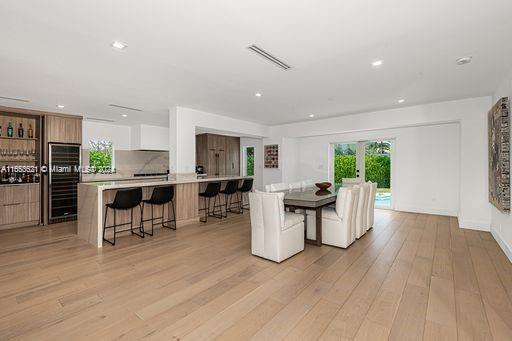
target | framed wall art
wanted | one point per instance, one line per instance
(271, 156)
(499, 155)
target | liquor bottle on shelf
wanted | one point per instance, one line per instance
(10, 131)
(30, 132)
(20, 130)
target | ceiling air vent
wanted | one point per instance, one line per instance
(14, 99)
(269, 57)
(123, 107)
(97, 119)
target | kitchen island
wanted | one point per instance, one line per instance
(93, 196)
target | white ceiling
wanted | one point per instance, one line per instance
(193, 53)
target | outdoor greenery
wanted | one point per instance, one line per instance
(344, 167)
(378, 147)
(250, 161)
(101, 154)
(377, 163)
(378, 169)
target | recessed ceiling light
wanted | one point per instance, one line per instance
(377, 63)
(463, 60)
(124, 115)
(311, 115)
(60, 106)
(118, 45)
(401, 100)
(257, 94)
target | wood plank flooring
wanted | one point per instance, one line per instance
(411, 277)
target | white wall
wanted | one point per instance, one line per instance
(182, 134)
(258, 159)
(119, 135)
(501, 224)
(474, 210)
(425, 169)
(273, 175)
(291, 170)
(148, 137)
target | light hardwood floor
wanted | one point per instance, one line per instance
(413, 276)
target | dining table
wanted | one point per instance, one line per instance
(311, 198)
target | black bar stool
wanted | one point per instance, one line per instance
(228, 191)
(245, 188)
(212, 191)
(160, 196)
(126, 199)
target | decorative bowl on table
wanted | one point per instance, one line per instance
(323, 185)
(321, 192)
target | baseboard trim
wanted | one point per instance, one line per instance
(501, 242)
(435, 211)
(474, 225)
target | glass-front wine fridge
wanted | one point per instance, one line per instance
(63, 178)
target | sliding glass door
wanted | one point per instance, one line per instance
(368, 160)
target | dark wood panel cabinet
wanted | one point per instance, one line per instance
(64, 129)
(232, 155)
(218, 154)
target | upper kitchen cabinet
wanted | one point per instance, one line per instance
(219, 155)
(64, 129)
(146, 137)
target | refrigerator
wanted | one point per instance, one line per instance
(64, 162)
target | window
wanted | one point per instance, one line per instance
(101, 156)
(248, 161)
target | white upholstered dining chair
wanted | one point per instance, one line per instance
(370, 216)
(275, 234)
(295, 185)
(338, 221)
(280, 186)
(362, 209)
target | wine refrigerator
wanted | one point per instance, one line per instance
(63, 178)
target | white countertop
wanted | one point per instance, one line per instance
(104, 185)
(131, 178)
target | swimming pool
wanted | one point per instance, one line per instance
(383, 199)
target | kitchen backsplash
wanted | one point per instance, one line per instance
(129, 162)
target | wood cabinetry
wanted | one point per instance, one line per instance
(19, 205)
(232, 156)
(64, 129)
(218, 154)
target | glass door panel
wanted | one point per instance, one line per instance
(345, 162)
(377, 168)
